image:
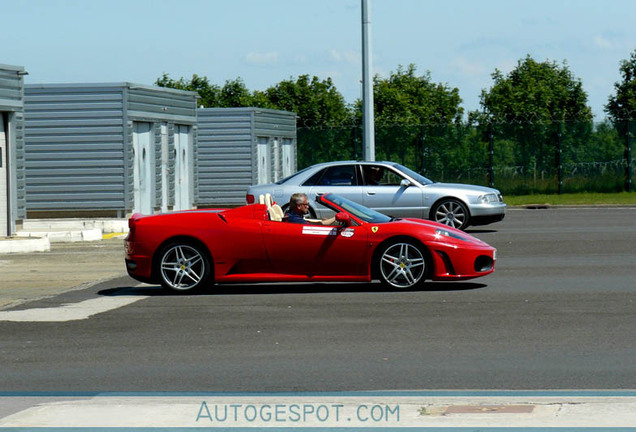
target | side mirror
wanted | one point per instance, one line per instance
(343, 218)
(405, 183)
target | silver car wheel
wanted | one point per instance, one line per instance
(402, 265)
(183, 268)
(451, 213)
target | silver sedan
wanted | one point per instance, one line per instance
(392, 189)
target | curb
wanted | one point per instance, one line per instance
(25, 245)
(64, 236)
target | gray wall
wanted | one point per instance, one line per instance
(79, 142)
(226, 146)
(12, 105)
(75, 147)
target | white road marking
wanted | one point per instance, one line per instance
(70, 311)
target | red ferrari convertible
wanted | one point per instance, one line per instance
(188, 251)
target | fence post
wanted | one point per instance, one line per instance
(628, 158)
(422, 148)
(354, 139)
(559, 160)
(491, 155)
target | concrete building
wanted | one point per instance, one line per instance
(238, 147)
(108, 150)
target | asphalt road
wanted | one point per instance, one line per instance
(558, 313)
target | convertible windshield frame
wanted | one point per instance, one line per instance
(359, 211)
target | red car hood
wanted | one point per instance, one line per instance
(436, 225)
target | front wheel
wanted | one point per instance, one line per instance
(184, 267)
(452, 213)
(402, 265)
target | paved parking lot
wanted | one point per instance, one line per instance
(27, 276)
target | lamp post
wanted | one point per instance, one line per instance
(368, 126)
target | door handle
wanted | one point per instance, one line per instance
(370, 192)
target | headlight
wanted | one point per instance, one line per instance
(488, 198)
(439, 233)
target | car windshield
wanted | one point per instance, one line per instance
(359, 211)
(415, 176)
(291, 176)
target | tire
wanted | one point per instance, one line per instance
(184, 267)
(402, 264)
(451, 212)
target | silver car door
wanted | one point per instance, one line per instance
(393, 195)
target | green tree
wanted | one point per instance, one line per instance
(322, 117)
(316, 102)
(412, 118)
(405, 98)
(209, 93)
(622, 105)
(539, 106)
(234, 93)
(536, 92)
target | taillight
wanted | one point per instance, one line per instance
(250, 199)
(132, 222)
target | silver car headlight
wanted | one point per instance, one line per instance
(488, 198)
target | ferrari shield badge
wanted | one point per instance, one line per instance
(374, 229)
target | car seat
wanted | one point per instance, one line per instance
(274, 210)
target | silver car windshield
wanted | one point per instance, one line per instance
(279, 182)
(415, 176)
(359, 211)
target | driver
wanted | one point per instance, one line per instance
(299, 208)
(373, 175)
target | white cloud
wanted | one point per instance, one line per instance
(466, 67)
(508, 65)
(262, 58)
(603, 42)
(335, 55)
(349, 56)
(353, 57)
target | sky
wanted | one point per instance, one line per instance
(460, 42)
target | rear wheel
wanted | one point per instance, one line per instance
(184, 267)
(402, 265)
(451, 212)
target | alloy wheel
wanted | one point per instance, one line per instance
(402, 265)
(451, 213)
(183, 267)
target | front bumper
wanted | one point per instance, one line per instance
(488, 210)
(451, 262)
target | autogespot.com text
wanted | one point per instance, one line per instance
(297, 413)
